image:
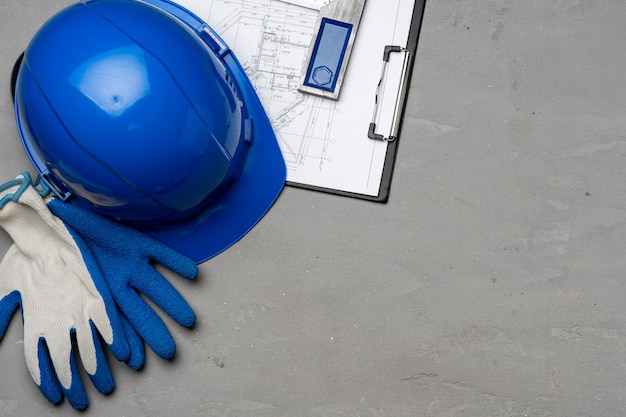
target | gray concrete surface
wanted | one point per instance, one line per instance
(493, 283)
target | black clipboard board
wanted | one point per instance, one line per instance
(392, 146)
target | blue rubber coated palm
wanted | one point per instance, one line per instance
(125, 257)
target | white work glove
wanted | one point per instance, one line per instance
(52, 276)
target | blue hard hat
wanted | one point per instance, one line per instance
(139, 111)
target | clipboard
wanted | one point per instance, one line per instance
(337, 146)
(390, 133)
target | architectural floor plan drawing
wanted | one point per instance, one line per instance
(302, 122)
(324, 142)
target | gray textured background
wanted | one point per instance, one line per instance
(491, 284)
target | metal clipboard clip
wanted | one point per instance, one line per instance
(399, 104)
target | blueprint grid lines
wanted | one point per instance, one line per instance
(271, 40)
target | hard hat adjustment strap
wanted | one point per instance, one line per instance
(22, 184)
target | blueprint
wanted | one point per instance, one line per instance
(324, 142)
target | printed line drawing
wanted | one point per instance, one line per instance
(271, 39)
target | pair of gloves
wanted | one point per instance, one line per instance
(77, 278)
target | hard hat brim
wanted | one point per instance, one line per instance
(239, 207)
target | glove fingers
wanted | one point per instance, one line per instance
(147, 324)
(48, 382)
(163, 294)
(50, 386)
(171, 259)
(117, 343)
(76, 394)
(102, 379)
(137, 356)
(8, 305)
(106, 321)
